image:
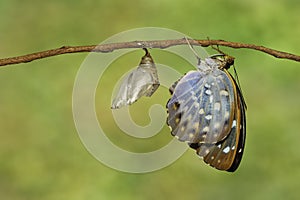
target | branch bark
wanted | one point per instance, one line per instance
(162, 44)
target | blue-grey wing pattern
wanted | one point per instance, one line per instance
(201, 106)
(227, 154)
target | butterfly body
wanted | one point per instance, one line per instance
(207, 111)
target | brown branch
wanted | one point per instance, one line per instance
(104, 48)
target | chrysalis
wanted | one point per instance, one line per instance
(207, 110)
(143, 81)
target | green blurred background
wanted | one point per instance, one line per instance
(41, 155)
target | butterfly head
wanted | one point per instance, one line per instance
(226, 61)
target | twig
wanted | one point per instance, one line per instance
(162, 44)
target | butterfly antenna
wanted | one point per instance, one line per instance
(193, 50)
(236, 76)
(216, 48)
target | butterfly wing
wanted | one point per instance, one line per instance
(227, 154)
(201, 106)
(242, 134)
(207, 110)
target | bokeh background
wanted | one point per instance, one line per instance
(41, 155)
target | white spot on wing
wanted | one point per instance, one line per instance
(224, 93)
(205, 129)
(208, 117)
(211, 98)
(226, 115)
(206, 85)
(201, 111)
(226, 150)
(208, 92)
(233, 123)
(217, 106)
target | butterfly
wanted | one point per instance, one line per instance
(207, 110)
(142, 81)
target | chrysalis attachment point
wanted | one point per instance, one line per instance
(143, 81)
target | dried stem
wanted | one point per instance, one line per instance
(162, 44)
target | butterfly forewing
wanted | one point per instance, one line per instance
(199, 110)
